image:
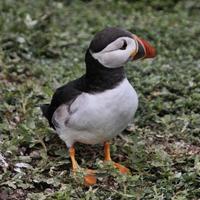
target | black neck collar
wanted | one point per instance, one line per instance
(99, 78)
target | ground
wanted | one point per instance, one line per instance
(42, 46)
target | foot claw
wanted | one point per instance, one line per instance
(90, 178)
(121, 168)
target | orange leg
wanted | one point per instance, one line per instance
(72, 156)
(107, 151)
(89, 178)
(121, 168)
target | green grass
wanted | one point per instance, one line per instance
(42, 46)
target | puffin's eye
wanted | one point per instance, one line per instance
(124, 45)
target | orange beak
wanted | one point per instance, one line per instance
(144, 50)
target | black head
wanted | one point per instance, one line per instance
(113, 47)
(107, 36)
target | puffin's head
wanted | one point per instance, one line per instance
(113, 47)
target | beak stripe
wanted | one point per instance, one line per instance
(135, 51)
(144, 49)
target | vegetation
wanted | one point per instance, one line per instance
(42, 46)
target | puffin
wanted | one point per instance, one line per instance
(101, 103)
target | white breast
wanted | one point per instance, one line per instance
(99, 117)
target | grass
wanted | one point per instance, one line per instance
(42, 46)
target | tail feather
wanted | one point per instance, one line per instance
(44, 108)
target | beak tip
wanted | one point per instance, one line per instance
(150, 52)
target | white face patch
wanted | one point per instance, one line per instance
(117, 53)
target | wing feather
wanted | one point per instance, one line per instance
(63, 95)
